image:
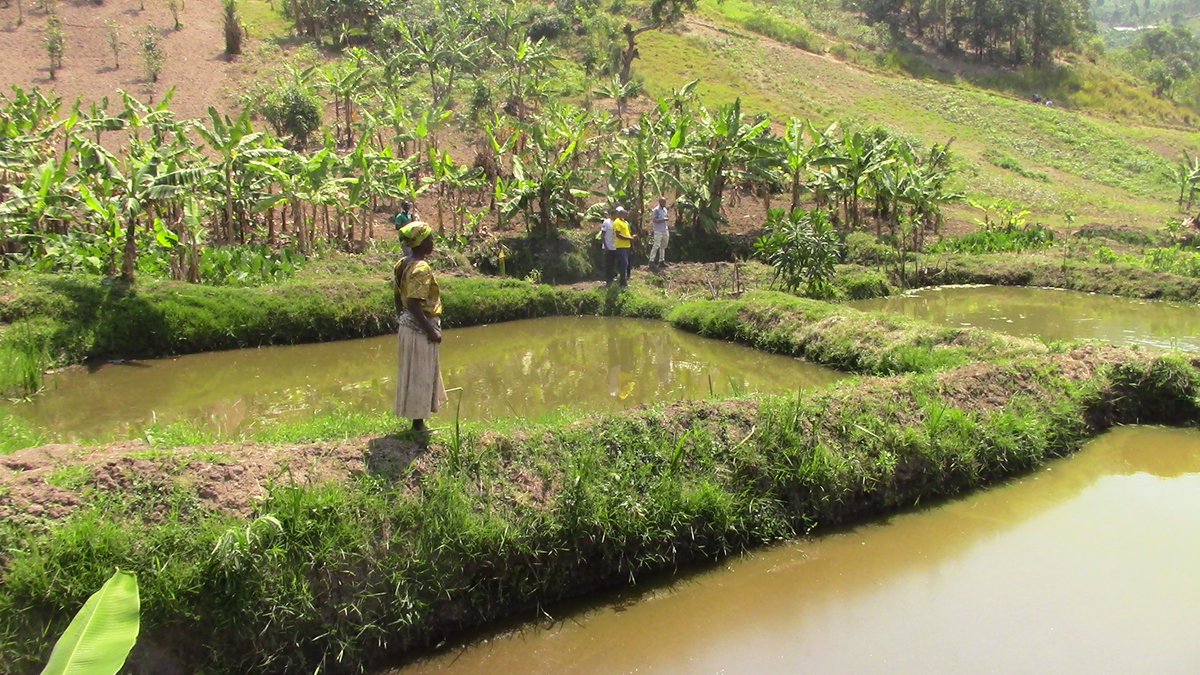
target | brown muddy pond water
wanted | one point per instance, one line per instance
(525, 369)
(1085, 566)
(1050, 314)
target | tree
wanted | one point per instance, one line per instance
(153, 57)
(729, 148)
(114, 41)
(55, 42)
(294, 112)
(235, 144)
(660, 14)
(233, 28)
(547, 178)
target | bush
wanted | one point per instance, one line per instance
(863, 284)
(233, 28)
(1006, 239)
(865, 249)
(293, 111)
(546, 23)
(569, 256)
(802, 247)
(153, 56)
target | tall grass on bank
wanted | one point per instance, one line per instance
(23, 363)
(15, 434)
(330, 576)
(845, 338)
(77, 318)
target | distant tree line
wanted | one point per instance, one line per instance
(1169, 59)
(1012, 31)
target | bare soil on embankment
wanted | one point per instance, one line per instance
(49, 483)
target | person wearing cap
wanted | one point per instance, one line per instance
(419, 388)
(624, 245)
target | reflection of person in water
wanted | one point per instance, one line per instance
(614, 362)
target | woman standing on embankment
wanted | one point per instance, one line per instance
(419, 389)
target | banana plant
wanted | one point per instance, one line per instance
(104, 630)
(730, 148)
(235, 145)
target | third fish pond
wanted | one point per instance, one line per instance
(1050, 314)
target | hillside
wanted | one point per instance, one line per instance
(195, 64)
(1104, 153)
(1051, 160)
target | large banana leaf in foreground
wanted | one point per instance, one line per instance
(100, 636)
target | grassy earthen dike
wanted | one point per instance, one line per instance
(337, 554)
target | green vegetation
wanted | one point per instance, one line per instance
(15, 434)
(233, 233)
(55, 43)
(1002, 31)
(399, 557)
(844, 338)
(100, 636)
(153, 56)
(802, 247)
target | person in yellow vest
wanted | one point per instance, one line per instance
(624, 245)
(419, 388)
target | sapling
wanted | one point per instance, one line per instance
(114, 42)
(55, 43)
(173, 6)
(152, 54)
(233, 28)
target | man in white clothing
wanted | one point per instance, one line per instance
(608, 241)
(659, 217)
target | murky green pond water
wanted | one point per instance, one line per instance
(519, 368)
(1086, 566)
(1051, 314)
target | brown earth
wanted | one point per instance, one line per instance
(195, 65)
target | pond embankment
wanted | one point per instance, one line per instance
(357, 549)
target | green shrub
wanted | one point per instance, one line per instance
(1004, 239)
(802, 247)
(292, 111)
(865, 249)
(863, 284)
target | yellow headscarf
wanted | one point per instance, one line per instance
(414, 234)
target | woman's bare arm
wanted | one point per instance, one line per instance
(431, 331)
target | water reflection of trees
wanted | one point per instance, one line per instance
(522, 368)
(531, 368)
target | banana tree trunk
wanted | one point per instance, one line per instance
(129, 264)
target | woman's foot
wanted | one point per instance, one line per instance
(419, 425)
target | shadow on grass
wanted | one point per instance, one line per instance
(390, 456)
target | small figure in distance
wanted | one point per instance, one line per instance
(662, 233)
(419, 388)
(624, 245)
(608, 242)
(407, 215)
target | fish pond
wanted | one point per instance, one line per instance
(1079, 567)
(1050, 314)
(530, 369)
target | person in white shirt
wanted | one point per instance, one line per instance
(608, 241)
(659, 217)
